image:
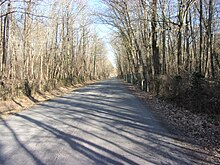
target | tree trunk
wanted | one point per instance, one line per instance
(155, 50)
(164, 38)
(200, 36)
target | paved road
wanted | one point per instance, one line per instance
(102, 123)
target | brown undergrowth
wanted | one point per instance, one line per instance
(23, 102)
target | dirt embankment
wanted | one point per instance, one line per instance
(16, 105)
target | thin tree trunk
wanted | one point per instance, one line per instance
(211, 8)
(164, 39)
(5, 40)
(200, 36)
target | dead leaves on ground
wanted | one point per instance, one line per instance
(202, 128)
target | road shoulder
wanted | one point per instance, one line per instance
(192, 130)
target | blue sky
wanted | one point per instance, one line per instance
(103, 30)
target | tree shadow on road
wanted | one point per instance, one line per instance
(99, 108)
(136, 136)
(27, 151)
(73, 141)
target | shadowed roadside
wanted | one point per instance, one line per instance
(98, 124)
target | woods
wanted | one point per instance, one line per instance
(44, 44)
(64, 99)
(169, 47)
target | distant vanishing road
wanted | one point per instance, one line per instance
(102, 123)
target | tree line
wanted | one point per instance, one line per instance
(168, 47)
(47, 43)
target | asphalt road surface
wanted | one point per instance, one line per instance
(102, 123)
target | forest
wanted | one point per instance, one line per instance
(63, 99)
(170, 48)
(44, 44)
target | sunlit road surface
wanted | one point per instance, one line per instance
(102, 123)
